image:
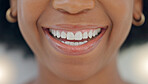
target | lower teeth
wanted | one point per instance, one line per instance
(74, 43)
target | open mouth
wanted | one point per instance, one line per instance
(74, 42)
(75, 38)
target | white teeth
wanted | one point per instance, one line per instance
(70, 36)
(63, 34)
(85, 41)
(94, 33)
(67, 42)
(98, 30)
(78, 36)
(80, 43)
(58, 34)
(52, 31)
(90, 34)
(85, 36)
(74, 43)
(55, 33)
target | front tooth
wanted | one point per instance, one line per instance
(76, 43)
(78, 36)
(58, 34)
(72, 43)
(90, 34)
(70, 36)
(63, 34)
(85, 36)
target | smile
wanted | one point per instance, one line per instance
(75, 40)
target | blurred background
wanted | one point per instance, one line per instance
(17, 63)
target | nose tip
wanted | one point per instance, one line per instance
(73, 6)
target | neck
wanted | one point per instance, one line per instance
(108, 75)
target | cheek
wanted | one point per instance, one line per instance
(121, 21)
(28, 14)
(120, 13)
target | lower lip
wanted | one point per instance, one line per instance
(74, 50)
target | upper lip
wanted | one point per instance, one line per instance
(74, 27)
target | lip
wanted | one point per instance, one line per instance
(74, 50)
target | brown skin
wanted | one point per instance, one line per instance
(95, 67)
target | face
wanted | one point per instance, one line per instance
(75, 39)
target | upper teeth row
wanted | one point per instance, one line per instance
(77, 36)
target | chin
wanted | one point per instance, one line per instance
(76, 73)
